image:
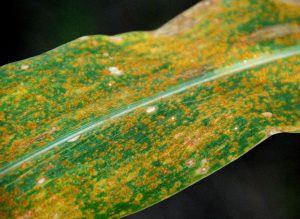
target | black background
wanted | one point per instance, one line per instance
(262, 184)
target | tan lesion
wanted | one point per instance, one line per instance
(274, 31)
(291, 2)
(188, 19)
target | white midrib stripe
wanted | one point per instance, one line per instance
(247, 64)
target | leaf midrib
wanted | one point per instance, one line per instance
(212, 75)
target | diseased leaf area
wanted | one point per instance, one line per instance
(105, 126)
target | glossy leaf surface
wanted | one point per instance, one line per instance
(105, 126)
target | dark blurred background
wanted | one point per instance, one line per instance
(262, 184)
(35, 26)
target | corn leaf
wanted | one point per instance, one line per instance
(105, 126)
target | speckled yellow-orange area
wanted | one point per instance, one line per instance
(105, 126)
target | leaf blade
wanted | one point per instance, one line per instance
(155, 147)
